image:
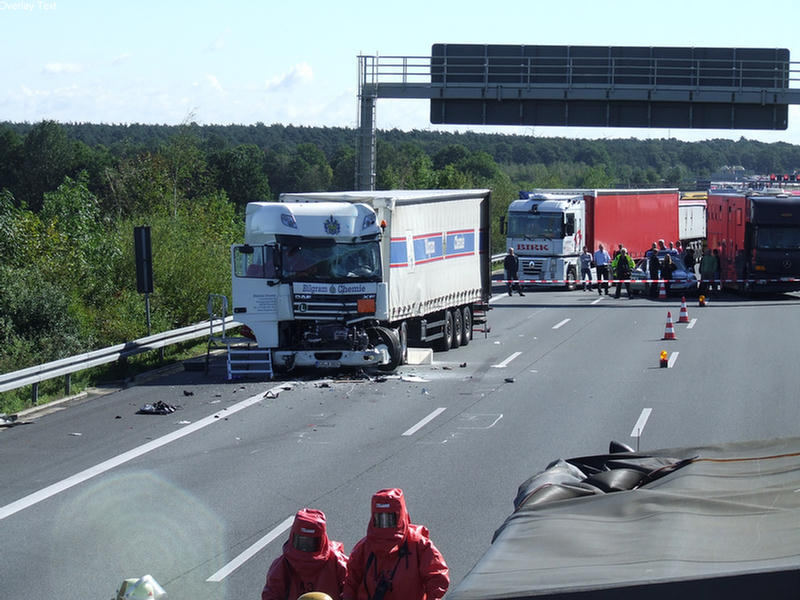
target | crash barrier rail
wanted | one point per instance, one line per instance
(66, 366)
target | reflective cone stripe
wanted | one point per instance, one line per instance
(662, 291)
(683, 317)
(669, 332)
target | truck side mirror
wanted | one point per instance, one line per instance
(502, 225)
(569, 228)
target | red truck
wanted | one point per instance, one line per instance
(548, 228)
(758, 238)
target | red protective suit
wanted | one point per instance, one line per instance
(403, 557)
(296, 572)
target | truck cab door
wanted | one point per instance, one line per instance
(256, 291)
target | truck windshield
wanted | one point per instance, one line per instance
(778, 238)
(337, 262)
(254, 261)
(529, 226)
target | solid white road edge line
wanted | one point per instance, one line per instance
(251, 551)
(561, 323)
(99, 469)
(504, 364)
(424, 421)
(672, 358)
(637, 429)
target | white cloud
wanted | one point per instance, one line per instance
(214, 83)
(121, 58)
(59, 67)
(298, 74)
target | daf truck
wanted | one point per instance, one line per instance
(350, 279)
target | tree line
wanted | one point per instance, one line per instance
(71, 195)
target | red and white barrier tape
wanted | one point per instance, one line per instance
(699, 281)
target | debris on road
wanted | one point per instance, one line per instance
(157, 408)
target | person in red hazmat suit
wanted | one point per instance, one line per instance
(310, 561)
(396, 560)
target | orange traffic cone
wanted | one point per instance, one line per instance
(662, 291)
(669, 332)
(683, 317)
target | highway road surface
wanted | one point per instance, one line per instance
(201, 499)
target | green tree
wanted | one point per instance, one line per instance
(242, 174)
(309, 170)
(47, 156)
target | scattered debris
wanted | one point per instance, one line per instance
(157, 408)
(118, 417)
(462, 365)
(324, 384)
(184, 422)
(425, 392)
(509, 380)
(380, 379)
(76, 434)
(446, 368)
(413, 379)
(270, 394)
(188, 393)
(11, 421)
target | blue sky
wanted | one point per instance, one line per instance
(296, 62)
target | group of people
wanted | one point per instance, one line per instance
(396, 560)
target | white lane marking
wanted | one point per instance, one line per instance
(99, 469)
(672, 358)
(424, 421)
(597, 300)
(248, 554)
(496, 297)
(504, 364)
(560, 324)
(691, 323)
(637, 429)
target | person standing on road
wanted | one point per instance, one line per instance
(586, 268)
(654, 269)
(601, 262)
(623, 265)
(708, 269)
(310, 561)
(397, 559)
(511, 267)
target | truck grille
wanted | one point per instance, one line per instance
(327, 308)
(531, 266)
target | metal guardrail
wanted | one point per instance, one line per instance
(66, 366)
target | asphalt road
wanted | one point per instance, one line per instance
(201, 499)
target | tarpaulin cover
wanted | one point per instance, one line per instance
(726, 523)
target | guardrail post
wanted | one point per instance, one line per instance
(35, 394)
(67, 384)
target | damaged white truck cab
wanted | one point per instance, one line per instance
(347, 279)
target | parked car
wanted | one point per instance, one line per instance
(683, 280)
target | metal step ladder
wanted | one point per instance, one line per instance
(247, 361)
(244, 357)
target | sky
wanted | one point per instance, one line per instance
(295, 62)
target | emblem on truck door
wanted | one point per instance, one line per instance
(332, 226)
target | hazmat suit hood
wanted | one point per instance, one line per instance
(308, 546)
(389, 521)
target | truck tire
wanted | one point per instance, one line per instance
(458, 327)
(571, 280)
(444, 343)
(466, 319)
(383, 336)
(402, 333)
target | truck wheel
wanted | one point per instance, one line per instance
(458, 328)
(402, 333)
(572, 279)
(466, 319)
(444, 343)
(383, 336)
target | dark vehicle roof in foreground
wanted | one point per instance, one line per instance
(724, 521)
